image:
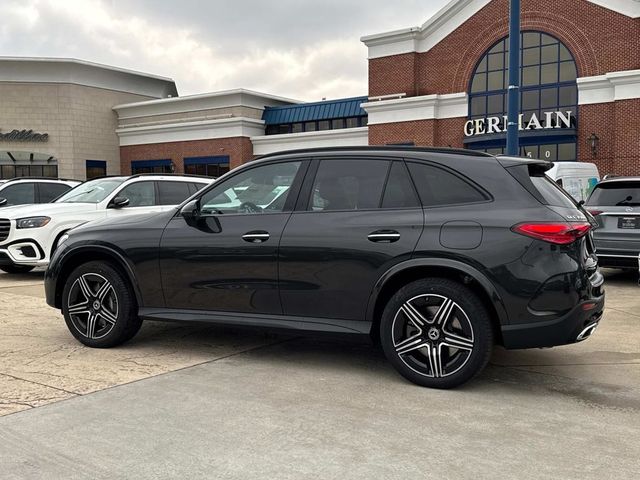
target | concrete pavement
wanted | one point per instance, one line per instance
(261, 406)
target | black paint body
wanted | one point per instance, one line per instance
(319, 271)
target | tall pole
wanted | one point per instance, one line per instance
(514, 78)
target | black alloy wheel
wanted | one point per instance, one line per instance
(99, 306)
(436, 333)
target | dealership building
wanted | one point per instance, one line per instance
(443, 84)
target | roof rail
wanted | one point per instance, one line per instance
(384, 148)
(13, 179)
(154, 174)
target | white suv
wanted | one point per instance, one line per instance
(30, 233)
(27, 190)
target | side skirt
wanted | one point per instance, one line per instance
(256, 320)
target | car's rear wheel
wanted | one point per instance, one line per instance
(99, 306)
(16, 268)
(436, 333)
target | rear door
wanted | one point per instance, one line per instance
(357, 217)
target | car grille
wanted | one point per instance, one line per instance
(5, 228)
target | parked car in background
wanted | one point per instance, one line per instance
(439, 253)
(28, 190)
(30, 233)
(577, 178)
(615, 203)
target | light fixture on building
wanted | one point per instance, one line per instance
(593, 140)
(172, 167)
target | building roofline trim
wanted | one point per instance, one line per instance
(202, 96)
(425, 107)
(610, 87)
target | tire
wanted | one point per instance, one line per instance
(436, 333)
(99, 306)
(16, 268)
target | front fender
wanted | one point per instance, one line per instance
(464, 268)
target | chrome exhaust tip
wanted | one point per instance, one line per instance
(587, 332)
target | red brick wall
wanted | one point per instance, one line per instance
(445, 132)
(600, 39)
(239, 149)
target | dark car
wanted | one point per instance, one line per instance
(439, 253)
(615, 203)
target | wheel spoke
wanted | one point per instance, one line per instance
(443, 313)
(104, 289)
(435, 360)
(456, 341)
(415, 344)
(82, 307)
(107, 316)
(413, 314)
(91, 325)
(84, 287)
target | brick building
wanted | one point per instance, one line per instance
(445, 83)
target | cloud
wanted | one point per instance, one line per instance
(300, 49)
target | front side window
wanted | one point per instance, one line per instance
(93, 191)
(261, 189)
(19, 194)
(140, 194)
(349, 184)
(438, 187)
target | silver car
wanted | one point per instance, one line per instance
(615, 203)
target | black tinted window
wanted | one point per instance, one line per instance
(51, 191)
(612, 194)
(196, 187)
(19, 194)
(551, 192)
(399, 192)
(172, 193)
(349, 184)
(439, 187)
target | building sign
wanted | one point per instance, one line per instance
(484, 126)
(23, 136)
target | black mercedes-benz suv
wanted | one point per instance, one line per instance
(438, 253)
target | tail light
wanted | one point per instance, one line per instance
(594, 212)
(558, 233)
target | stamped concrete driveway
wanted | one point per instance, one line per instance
(229, 403)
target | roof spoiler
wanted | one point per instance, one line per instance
(532, 163)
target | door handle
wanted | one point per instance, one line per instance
(385, 236)
(256, 236)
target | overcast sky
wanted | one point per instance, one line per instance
(304, 49)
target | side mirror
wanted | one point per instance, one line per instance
(3, 202)
(191, 211)
(119, 202)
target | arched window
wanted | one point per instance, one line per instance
(547, 88)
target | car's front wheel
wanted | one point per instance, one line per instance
(436, 333)
(16, 268)
(99, 306)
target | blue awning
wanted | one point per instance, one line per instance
(150, 163)
(309, 112)
(206, 160)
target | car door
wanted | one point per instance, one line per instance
(224, 258)
(362, 216)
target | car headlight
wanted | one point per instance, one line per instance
(32, 222)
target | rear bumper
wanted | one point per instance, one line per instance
(618, 258)
(575, 326)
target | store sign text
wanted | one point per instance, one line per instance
(483, 126)
(23, 136)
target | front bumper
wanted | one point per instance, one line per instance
(22, 252)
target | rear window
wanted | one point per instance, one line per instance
(551, 192)
(616, 194)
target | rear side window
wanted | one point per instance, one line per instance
(196, 187)
(614, 194)
(438, 187)
(349, 184)
(172, 193)
(399, 192)
(51, 191)
(553, 195)
(19, 194)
